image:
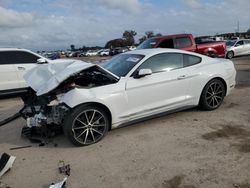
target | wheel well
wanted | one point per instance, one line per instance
(103, 107)
(218, 78)
(221, 79)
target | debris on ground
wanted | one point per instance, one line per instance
(6, 163)
(41, 135)
(64, 169)
(21, 147)
(60, 184)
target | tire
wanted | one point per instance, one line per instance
(211, 54)
(212, 95)
(86, 125)
(230, 55)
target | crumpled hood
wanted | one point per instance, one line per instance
(46, 77)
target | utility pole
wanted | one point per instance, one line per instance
(238, 28)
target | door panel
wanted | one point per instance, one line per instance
(8, 77)
(239, 50)
(21, 70)
(23, 62)
(247, 46)
(155, 93)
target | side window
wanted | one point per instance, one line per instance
(25, 57)
(7, 57)
(190, 60)
(168, 43)
(247, 41)
(163, 62)
(239, 43)
(3, 58)
(18, 57)
(183, 42)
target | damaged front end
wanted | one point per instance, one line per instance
(43, 114)
(43, 109)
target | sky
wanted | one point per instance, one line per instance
(56, 24)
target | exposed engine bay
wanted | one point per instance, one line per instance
(47, 112)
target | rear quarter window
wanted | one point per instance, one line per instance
(247, 41)
(190, 60)
(183, 42)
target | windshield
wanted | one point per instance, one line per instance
(230, 42)
(120, 65)
(147, 44)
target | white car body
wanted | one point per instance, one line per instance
(131, 48)
(11, 73)
(130, 99)
(91, 53)
(105, 52)
(240, 47)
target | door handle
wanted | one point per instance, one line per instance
(21, 68)
(182, 77)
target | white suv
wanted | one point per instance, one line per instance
(14, 63)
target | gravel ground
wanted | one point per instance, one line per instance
(188, 149)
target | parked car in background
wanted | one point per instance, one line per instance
(75, 54)
(131, 48)
(53, 55)
(237, 48)
(104, 52)
(91, 53)
(82, 54)
(186, 42)
(87, 100)
(118, 50)
(14, 63)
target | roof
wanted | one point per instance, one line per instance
(154, 51)
(13, 49)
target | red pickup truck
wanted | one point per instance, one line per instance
(186, 42)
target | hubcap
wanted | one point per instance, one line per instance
(89, 126)
(214, 95)
(230, 55)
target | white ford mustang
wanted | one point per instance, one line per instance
(87, 100)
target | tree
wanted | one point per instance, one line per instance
(115, 43)
(72, 47)
(141, 40)
(248, 31)
(158, 35)
(148, 35)
(128, 37)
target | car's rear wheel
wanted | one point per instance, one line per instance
(230, 54)
(86, 124)
(212, 95)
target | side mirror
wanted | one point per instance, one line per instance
(41, 61)
(143, 72)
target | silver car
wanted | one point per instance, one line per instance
(237, 48)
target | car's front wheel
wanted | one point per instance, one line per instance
(86, 124)
(230, 54)
(212, 95)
